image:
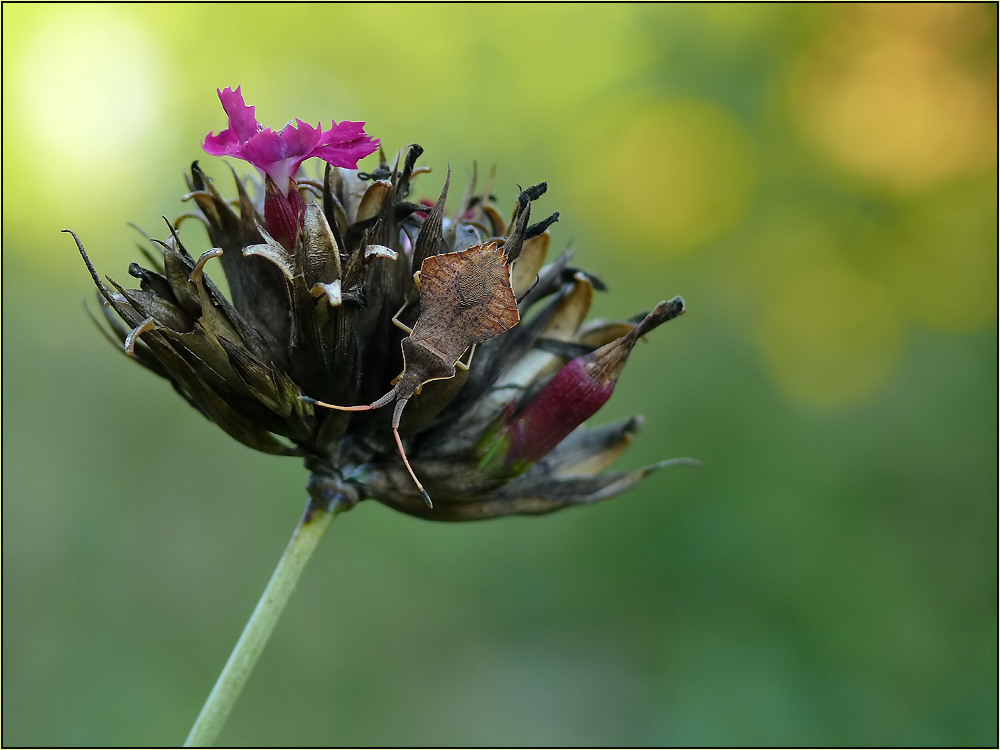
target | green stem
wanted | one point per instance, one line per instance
(258, 629)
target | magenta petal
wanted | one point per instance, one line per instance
(243, 126)
(345, 131)
(270, 146)
(242, 119)
(344, 144)
(302, 139)
(223, 144)
(280, 154)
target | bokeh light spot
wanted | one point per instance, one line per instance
(89, 88)
(829, 337)
(681, 172)
(945, 273)
(892, 101)
(85, 89)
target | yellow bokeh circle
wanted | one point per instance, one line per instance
(680, 172)
(888, 95)
(829, 336)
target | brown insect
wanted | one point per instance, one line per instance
(465, 300)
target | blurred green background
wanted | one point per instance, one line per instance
(819, 182)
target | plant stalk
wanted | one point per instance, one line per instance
(261, 624)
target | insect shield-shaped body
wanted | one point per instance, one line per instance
(465, 299)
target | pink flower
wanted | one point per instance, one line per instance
(279, 154)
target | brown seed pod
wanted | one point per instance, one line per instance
(465, 299)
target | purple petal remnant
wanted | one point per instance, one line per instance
(243, 125)
(279, 154)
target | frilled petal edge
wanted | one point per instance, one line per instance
(242, 127)
(279, 153)
(345, 144)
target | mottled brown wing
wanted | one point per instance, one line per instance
(465, 298)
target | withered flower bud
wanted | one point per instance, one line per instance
(580, 388)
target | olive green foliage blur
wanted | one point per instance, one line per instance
(818, 181)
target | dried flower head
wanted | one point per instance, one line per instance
(347, 292)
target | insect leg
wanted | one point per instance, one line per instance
(387, 398)
(528, 290)
(398, 323)
(468, 363)
(397, 415)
